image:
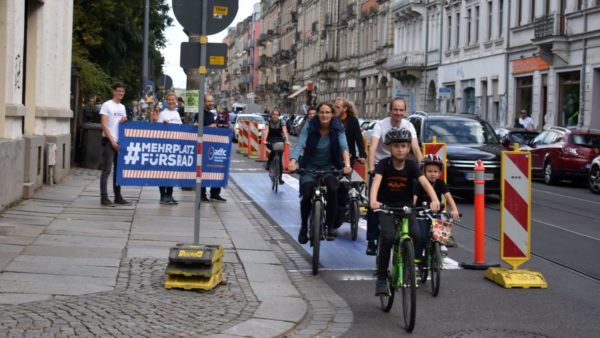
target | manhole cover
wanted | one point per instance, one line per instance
(495, 333)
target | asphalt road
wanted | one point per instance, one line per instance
(564, 245)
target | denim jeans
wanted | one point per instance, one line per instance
(108, 162)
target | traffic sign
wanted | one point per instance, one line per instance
(216, 54)
(219, 16)
(438, 149)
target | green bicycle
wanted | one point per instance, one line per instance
(402, 275)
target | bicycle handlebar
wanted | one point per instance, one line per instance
(429, 212)
(303, 171)
(392, 210)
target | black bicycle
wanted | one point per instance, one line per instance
(355, 199)
(274, 168)
(317, 214)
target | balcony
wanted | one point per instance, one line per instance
(261, 40)
(408, 9)
(550, 38)
(327, 69)
(404, 65)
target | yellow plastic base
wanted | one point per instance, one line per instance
(197, 270)
(516, 278)
(196, 254)
(193, 283)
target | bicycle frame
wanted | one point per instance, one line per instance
(400, 236)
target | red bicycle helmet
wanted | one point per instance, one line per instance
(433, 159)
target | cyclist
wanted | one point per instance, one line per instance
(393, 186)
(324, 144)
(432, 167)
(346, 112)
(275, 131)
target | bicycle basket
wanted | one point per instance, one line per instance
(278, 146)
(441, 230)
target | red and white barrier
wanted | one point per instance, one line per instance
(253, 137)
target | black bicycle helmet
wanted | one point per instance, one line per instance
(433, 159)
(397, 135)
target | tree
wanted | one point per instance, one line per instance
(108, 41)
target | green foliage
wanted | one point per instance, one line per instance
(108, 43)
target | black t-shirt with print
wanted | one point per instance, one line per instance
(396, 187)
(440, 188)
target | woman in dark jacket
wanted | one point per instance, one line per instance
(323, 145)
(346, 112)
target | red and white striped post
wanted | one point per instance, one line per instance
(479, 206)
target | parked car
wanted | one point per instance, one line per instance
(247, 117)
(367, 129)
(468, 138)
(510, 136)
(297, 124)
(594, 176)
(559, 153)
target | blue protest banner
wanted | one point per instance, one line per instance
(216, 157)
(157, 154)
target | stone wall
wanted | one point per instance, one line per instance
(11, 169)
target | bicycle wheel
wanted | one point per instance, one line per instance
(354, 217)
(436, 268)
(409, 287)
(387, 301)
(276, 173)
(315, 220)
(272, 175)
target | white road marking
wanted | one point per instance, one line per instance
(567, 196)
(567, 230)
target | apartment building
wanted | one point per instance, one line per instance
(35, 67)
(554, 62)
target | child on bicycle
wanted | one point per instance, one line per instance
(432, 166)
(393, 186)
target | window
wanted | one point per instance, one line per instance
(469, 27)
(500, 18)
(519, 11)
(457, 29)
(490, 20)
(532, 12)
(449, 31)
(476, 24)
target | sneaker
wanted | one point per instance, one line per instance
(204, 199)
(106, 202)
(121, 201)
(303, 235)
(330, 234)
(451, 242)
(371, 249)
(381, 287)
(444, 250)
(172, 201)
(281, 181)
(164, 200)
(218, 198)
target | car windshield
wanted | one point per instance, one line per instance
(590, 141)
(460, 131)
(252, 118)
(522, 138)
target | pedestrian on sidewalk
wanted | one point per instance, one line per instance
(169, 115)
(209, 121)
(112, 113)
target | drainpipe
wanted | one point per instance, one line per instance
(442, 15)
(504, 121)
(583, 69)
(426, 59)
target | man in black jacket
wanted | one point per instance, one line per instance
(346, 112)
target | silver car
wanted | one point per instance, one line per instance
(594, 178)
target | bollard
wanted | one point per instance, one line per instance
(479, 206)
(263, 153)
(286, 156)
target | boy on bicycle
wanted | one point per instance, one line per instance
(393, 186)
(432, 166)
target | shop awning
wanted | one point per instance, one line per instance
(297, 92)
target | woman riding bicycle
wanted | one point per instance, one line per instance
(393, 186)
(324, 144)
(275, 131)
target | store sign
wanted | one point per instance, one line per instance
(529, 65)
(445, 91)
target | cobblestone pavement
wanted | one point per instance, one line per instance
(138, 307)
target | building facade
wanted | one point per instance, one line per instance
(35, 114)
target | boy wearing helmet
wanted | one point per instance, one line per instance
(393, 186)
(432, 167)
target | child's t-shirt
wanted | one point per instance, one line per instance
(440, 188)
(396, 187)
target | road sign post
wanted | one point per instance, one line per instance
(200, 18)
(515, 223)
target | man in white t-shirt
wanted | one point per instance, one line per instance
(378, 151)
(169, 115)
(525, 120)
(112, 113)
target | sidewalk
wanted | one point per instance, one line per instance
(70, 267)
